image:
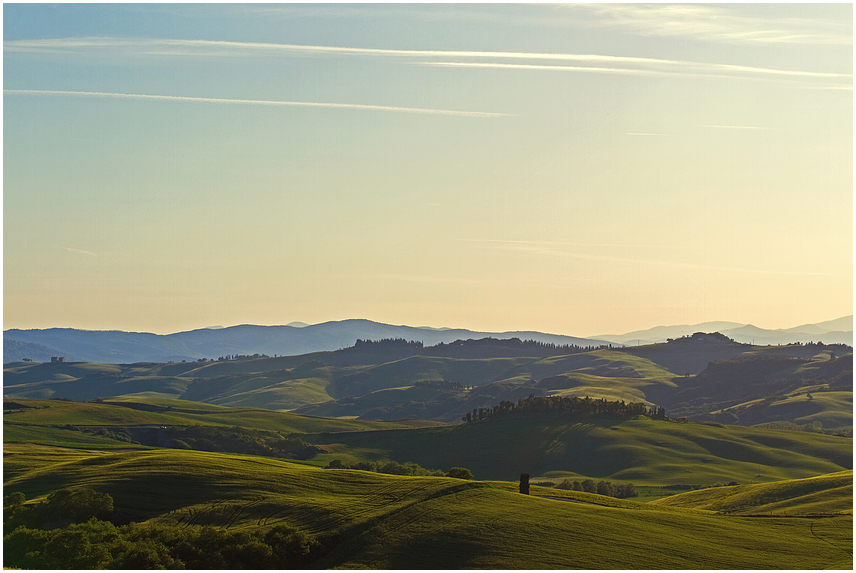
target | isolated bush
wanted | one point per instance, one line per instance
(460, 473)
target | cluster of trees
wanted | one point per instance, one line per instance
(815, 426)
(619, 490)
(843, 348)
(701, 336)
(236, 439)
(531, 347)
(439, 384)
(389, 343)
(59, 508)
(236, 357)
(114, 433)
(395, 468)
(89, 542)
(566, 405)
(693, 487)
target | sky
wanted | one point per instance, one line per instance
(572, 169)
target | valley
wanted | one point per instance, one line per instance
(700, 377)
(749, 442)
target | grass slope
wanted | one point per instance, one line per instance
(394, 522)
(555, 446)
(820, 494)
(642, 450)
(628, 389)
(740, 390)
(749, 386)
(292, 382)
(831, 409)
(144, 411)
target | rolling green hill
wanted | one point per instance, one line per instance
(385, 380)
(828, 493)
(157, 411)
(758, 388)
(375, 521)
(556, 446)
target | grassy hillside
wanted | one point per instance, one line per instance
(642, 451)
(758, 385)
(829, 409)
(629, 389)
(821, 494)
(393, 522)
(750, 385)
(406, 372)
(388, 391)
(139, 411)
(609, 363)
(689, 354)
(293, 382)
(553, 446)
(760, 388)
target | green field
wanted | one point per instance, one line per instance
(371, 520)
(642, 451)
(831, 493)
(394, 522)
(138, 410)
(730, 383)
(548, 446)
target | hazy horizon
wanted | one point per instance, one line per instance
(301, 324)
(569, 169)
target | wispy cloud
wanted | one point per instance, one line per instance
(357, 106)
(721, 23)
(589, 63)
(750, 127)
(420, 279)
(571, 250)
(80, 251)
(647, 67)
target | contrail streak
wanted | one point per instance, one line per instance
(263, 102)
(217, 47)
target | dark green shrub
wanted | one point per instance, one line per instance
(460, 473)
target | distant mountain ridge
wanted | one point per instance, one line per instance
(838, 331)
(119, 347)
(298, 338)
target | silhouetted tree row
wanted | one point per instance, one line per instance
(389, 343)
(536, 346)
(392, 468)
(566, 405)
(439, 384)
(814, 426)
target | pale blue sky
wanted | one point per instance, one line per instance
(578, 169)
